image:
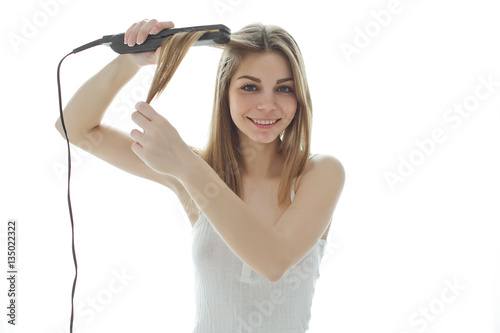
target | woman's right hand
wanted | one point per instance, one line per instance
(137, 34)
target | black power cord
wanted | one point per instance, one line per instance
(104, 40)
(69, 195)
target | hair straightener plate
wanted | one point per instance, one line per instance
(220, 35)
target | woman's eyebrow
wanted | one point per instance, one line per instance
(284, 80)
(258, 80)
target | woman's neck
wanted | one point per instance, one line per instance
(261, 160)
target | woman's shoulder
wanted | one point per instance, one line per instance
(323, 161)
(322, 166)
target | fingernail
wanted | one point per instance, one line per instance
(139, 42)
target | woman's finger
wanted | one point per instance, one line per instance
(138, 150)
(138, 136)
(132, 38)
(145, 30)
(147, 111)
(128, 32)
(161, 25)
(141, 120)
(139, 31)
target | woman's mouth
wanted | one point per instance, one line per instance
(264, 123)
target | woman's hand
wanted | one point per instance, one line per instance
(159, 145)
(137, 34)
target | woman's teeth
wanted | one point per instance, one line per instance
(264, 122)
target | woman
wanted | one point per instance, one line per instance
(259, 204)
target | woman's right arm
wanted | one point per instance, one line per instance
(85, 110)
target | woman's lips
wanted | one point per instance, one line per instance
(264, 123)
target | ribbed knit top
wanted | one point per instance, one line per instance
(232, 298)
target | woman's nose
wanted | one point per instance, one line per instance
(267, 102)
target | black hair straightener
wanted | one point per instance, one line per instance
(216, 34)
(220, 35)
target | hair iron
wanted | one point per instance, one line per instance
(216, 34)
(220, 35)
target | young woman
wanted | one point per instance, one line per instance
(259, 203)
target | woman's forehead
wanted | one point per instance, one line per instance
(264, 64)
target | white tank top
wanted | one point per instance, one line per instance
(232, 298)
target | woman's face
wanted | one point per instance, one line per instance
(262, 97)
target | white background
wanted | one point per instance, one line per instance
(392, 252)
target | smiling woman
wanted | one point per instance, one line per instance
(262, 107)
(261, 66)
(260, 224)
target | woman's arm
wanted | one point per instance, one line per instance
(84, 112)
(270, 251)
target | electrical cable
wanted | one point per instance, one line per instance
(69, 194)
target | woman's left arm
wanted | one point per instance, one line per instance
(270, 251)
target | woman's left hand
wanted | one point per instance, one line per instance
(159, 145)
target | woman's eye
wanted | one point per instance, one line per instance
(249, 87)
(285, 89)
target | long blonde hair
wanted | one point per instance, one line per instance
(223, 151)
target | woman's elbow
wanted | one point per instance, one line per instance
(274, 277)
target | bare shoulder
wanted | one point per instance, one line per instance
(325, 167)
(325, 161)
